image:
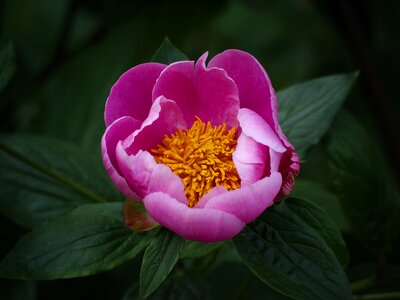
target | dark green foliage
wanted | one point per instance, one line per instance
(7, 64)
(167, 53)
(306, 110)
(43, 178)
(91, 239)
(159, 259)
(286, 250)
(366, 188)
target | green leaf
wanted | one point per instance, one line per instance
(319, 220)
(7, 64)
(90, 239)
(290, 256)
(306, 110)
(193, 249)
(366, 188)
(168, 53)
(315, 192)
(159, 259)
(43, 178)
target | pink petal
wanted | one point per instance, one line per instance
(215, 191)
(164, 118)
(207, 93)
(255, 87)
(131, 94)
(116, 132)
(248, 202)
(250, 158)
(275, 160)
(257, 128)
(145, 176)
(289, 167)
(199, 224)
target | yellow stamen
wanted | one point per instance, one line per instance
(202, 157)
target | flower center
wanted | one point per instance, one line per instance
(202, 157)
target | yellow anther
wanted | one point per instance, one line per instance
(202, 157)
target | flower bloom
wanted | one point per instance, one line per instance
(199, 145)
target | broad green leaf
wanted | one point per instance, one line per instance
(192, 249)
(7, 64)
(290, 256)
(319, 220)
(306, 110)
(168, 53)
(91, 239)
(316, 193)
(43, 178)
(365, 186)
(159, 259)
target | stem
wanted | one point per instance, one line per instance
(80, 189)
(363, 284)
(241, 293)
(391, 295)
(374, 282)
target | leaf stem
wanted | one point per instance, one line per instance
(390, 295)
(373, 281)
(83, 191)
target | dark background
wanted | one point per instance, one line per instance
(69, 53)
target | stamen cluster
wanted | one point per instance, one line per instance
(202, 157)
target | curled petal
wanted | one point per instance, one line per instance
(250, 158)
(131, 94)
(215, 191)
(248, 202)
(255, 88)
(275, 160)
(289, 167)
(164, 118)
(116, 132)
(209, 94)
(199, 224)
(145, 176)
(255, 127)
(254, 85)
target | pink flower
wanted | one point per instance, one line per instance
(200, 145)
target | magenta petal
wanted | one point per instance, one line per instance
(215, 191)
(255, 127)
(255, 88)
(199, 224)
(207, 93)
(131, 94)
(116, 132)
(164, 118)
(145, 176)
(254, 85)
(275, 160)
(249, 158)
(247, 203)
